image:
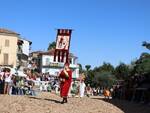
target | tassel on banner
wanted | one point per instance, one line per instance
(59, 56)
(62, 59)
(67, 54)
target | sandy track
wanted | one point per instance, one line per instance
(50, 103)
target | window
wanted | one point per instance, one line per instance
(70, 60)
(6, 59)
(6, 43)
(47, 61)
(46, 70)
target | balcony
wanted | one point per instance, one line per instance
(74, 66)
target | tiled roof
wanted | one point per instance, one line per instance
(6, 31)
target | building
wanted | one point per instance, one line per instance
(46, 63)
(14, 50)
(23, 52)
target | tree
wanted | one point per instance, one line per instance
(101, 76)
(87, 67)
(122, 71)
(51, 46)
(106, 67)
(88, 79)
(143, 64)
(104, 79)
(146, 44)
(80, 68)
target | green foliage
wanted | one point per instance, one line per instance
(51, 46)
(87, 67)
(122, 71)
(106, 67)
(143, 64)
(101, 76)
(80, 68)
(146, 44)
(89, 78)
(104, 79)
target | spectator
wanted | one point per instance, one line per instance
(7, 80)
(82, 88)
(88, 90)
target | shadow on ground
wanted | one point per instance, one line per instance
(127, 106)
(52, 100)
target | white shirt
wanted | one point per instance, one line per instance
(82, 86)
(8, 78)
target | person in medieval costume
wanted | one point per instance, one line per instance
(65, 82)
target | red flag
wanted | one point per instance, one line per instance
(62, 44)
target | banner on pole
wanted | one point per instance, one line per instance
(62, 45)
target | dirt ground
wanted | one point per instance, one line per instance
(50, 103)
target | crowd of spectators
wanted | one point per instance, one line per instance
(31, 84)
(136, 88)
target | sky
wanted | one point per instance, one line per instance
(103, 30)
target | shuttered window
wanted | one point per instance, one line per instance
(6, 43)
(6, 59)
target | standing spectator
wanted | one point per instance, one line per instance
(49, 88)
(7, 80)
(101, 91)
(94, 91)
(111, 91)
(107, 93)
(57, 88)
(0, 69)
(82, 88)
(11, 85)
(74, 89)
(1, 82)
(88, 90)
(45, 86)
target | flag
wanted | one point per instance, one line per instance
(62, 44)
